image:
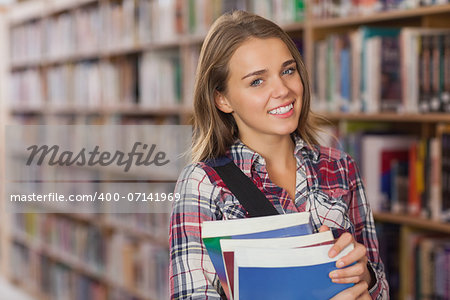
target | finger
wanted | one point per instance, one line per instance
(343, 241)
(365, 296)
(352, 292)
(357, 254)
(324, 228)
(344, 275)
(354, 279)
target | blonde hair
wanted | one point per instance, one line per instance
(214, 130)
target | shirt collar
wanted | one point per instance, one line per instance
(245, 158)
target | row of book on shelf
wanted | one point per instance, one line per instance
(127, 23)
(428, 255)
(346, 8)
(150, 80)
(416, 262)
(370, 70)
(374, 69)
(65, 246)
(402, 173)
(272, 257)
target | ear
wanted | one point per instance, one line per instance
(222, 102)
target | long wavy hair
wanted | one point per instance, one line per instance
(213, 130)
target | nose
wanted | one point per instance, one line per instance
(279, 88)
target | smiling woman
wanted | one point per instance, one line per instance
(252, 107)
(265, 103)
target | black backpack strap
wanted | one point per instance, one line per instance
(252, 199)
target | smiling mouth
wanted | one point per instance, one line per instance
(282, 110)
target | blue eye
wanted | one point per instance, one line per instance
(289, 71)
(256, 82)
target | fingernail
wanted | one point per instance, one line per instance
(333, 275)
(340, 264)
(332, 253)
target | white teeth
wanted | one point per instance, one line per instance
(281, 110)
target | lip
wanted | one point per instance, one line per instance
(283, 105)
(286, 114)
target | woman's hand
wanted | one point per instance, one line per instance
(356, 273)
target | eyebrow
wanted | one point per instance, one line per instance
(259, 72)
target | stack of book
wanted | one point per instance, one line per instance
(273, 257)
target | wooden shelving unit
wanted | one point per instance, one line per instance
(413, 222)
(310, 31)
(389, 117)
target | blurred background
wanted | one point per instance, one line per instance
(379, 73)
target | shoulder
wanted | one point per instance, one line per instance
(199, 174)
(335, 163)
(199, 171)
(330, 154)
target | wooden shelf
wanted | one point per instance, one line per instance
(382, 16)
(128, 110)
(412, 221)
(389, 117)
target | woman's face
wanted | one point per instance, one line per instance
(264, 90)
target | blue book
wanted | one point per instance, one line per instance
(277, 226)
(288, 274)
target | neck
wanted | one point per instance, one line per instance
(276, 150)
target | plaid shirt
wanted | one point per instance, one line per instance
(328, 185)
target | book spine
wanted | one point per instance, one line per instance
(425, 74)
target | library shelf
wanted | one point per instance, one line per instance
(412, 221)
(388, 117)
(126, 110)
(382, 16)
(60, 256)
(137, 232)
(75, 264)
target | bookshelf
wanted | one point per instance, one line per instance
(130, 50)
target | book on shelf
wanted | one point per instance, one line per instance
(158, 91)
(323, 9)
(372, 148)
(229, 246)
(138, 265)
(444, 200)
(390, 69)
(401, 173)
(424, 53)
(249, 228)
(261, 273)
(428, 255)
(389, 248)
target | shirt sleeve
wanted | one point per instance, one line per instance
(362, 218)
(191, 273)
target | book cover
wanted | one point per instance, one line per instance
(387, 159)
(372, 146)
(286, 274)
(229, 245)
(250, 228)
(368, 65)
(391, 88)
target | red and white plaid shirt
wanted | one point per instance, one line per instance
(328, 185)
